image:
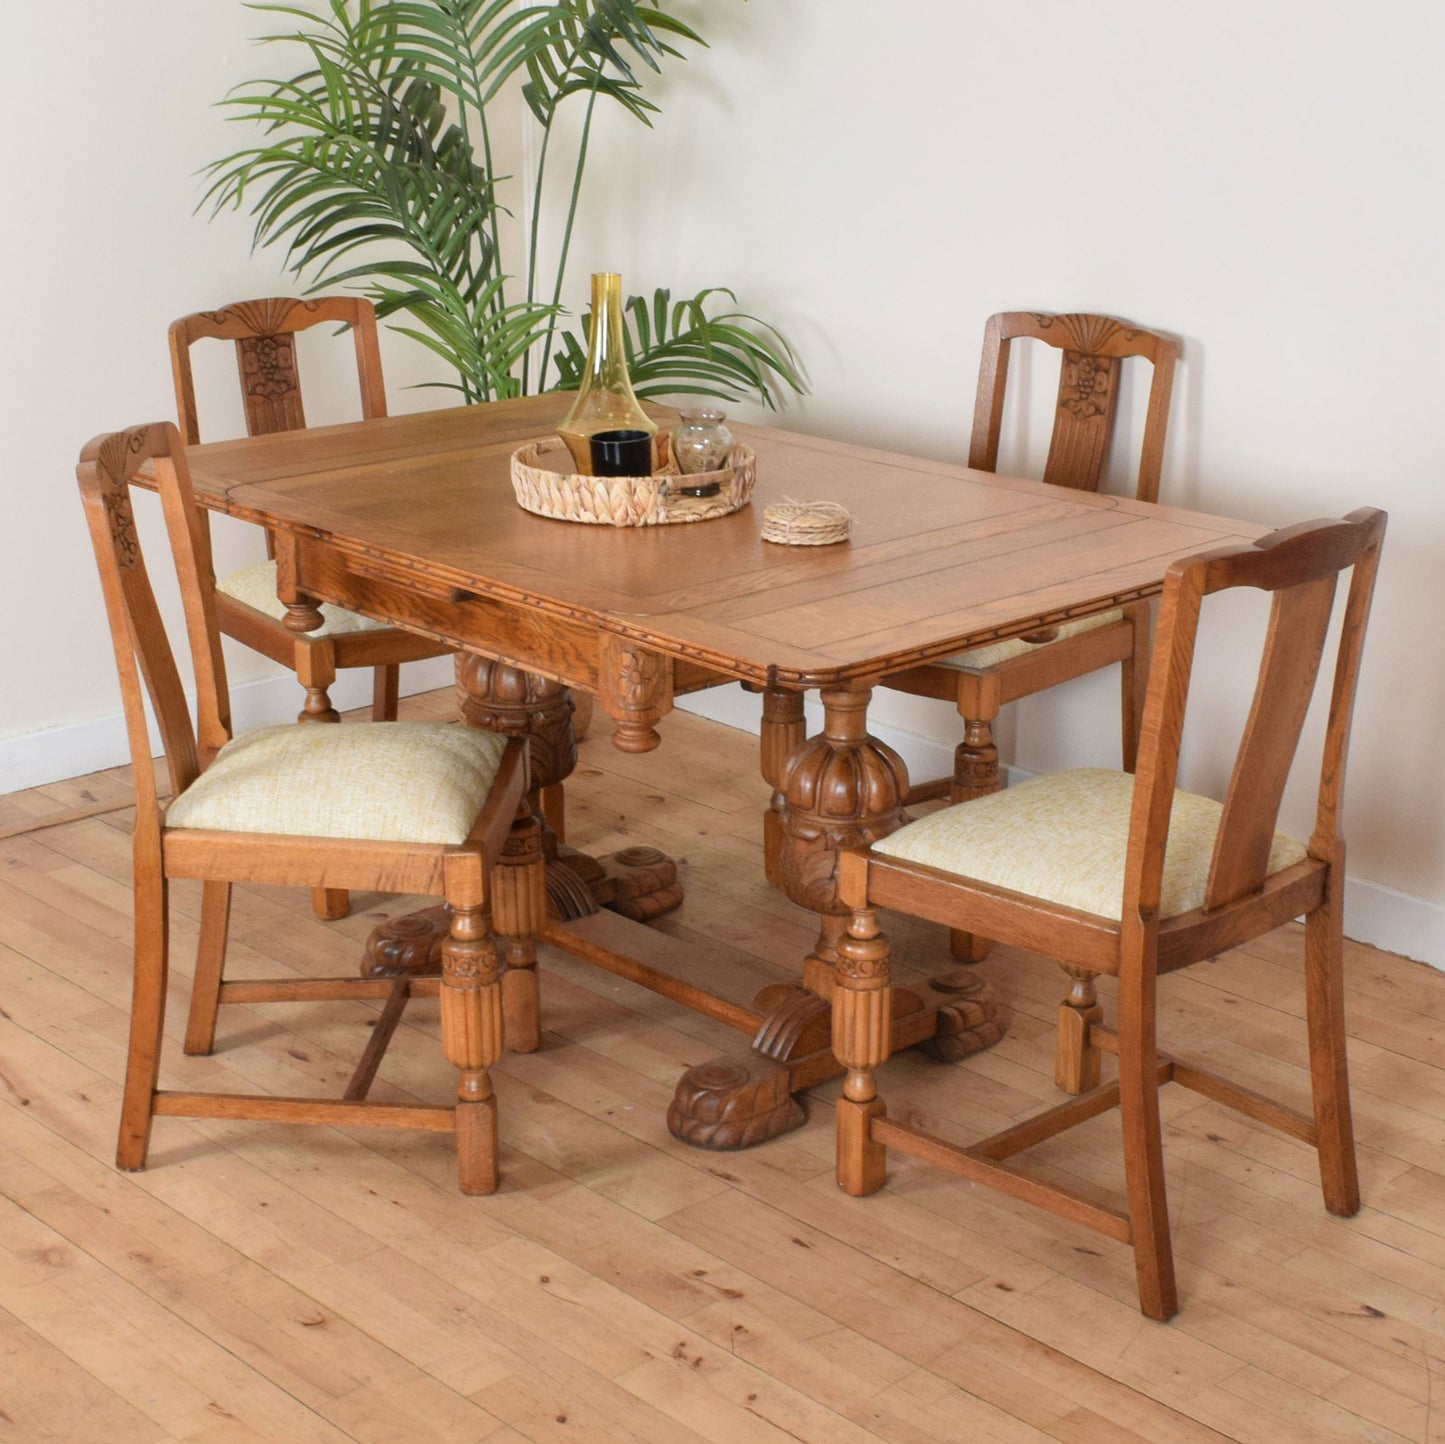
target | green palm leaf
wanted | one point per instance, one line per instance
(677, 349)
(374, 167)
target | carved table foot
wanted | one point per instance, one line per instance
(410, 944)
(734, 1103)
(967, 1025)
(638, 882)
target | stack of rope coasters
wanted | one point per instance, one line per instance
(806, 523)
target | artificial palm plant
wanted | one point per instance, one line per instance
(378, 166)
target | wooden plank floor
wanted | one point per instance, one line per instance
(286, 1284)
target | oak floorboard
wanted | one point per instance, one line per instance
(46, 1394)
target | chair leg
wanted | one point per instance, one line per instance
(385, 692)
(1134, 682)
(147, 1019)
(975, 761)
(316, 669)
(861, 1018)
(1144, 1150)
(330, 903)
(1076, 1059)
(1329, 1071)
(471, 1006)
(519, 910)
(975, 774)
(210, 962)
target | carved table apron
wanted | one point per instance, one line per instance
(411, 520)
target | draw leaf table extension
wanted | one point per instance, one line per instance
(412, 520)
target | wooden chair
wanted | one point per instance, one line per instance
(246, 603)
(1074, 865)
(407, 807)
(982, 680)
(271, 389)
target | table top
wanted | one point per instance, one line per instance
(941, 558)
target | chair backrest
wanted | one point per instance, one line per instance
(266, 354)
(1093, 348)
(142, 650)
(1299, 567)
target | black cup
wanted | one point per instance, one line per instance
(621, 453)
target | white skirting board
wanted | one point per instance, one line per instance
(1374, 913)
(60, 752)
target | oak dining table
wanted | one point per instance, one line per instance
(412, 520)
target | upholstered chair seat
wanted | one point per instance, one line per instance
(1063, 839)
(993, 654)
(256, 587)
(423, 782)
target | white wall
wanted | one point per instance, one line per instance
(104, 250)
(1264, 181)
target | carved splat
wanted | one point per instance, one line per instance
(1088, 398)
(1093, 347)
(270, 383)
(266, 356)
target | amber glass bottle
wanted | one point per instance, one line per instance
(604, 401)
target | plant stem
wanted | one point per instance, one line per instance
(532, 244)
(493, 224)
(567, 232)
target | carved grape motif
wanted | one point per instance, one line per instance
(270, 366)
(1086, 385)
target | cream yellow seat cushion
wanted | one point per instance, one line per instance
(993, 653)
(1062, 838)
(256, 586)
(383, 781)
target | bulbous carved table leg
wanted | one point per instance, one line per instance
(639, 882)
(838, 790)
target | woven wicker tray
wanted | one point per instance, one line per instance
(545, 484)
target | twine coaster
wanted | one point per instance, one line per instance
(806, 523)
